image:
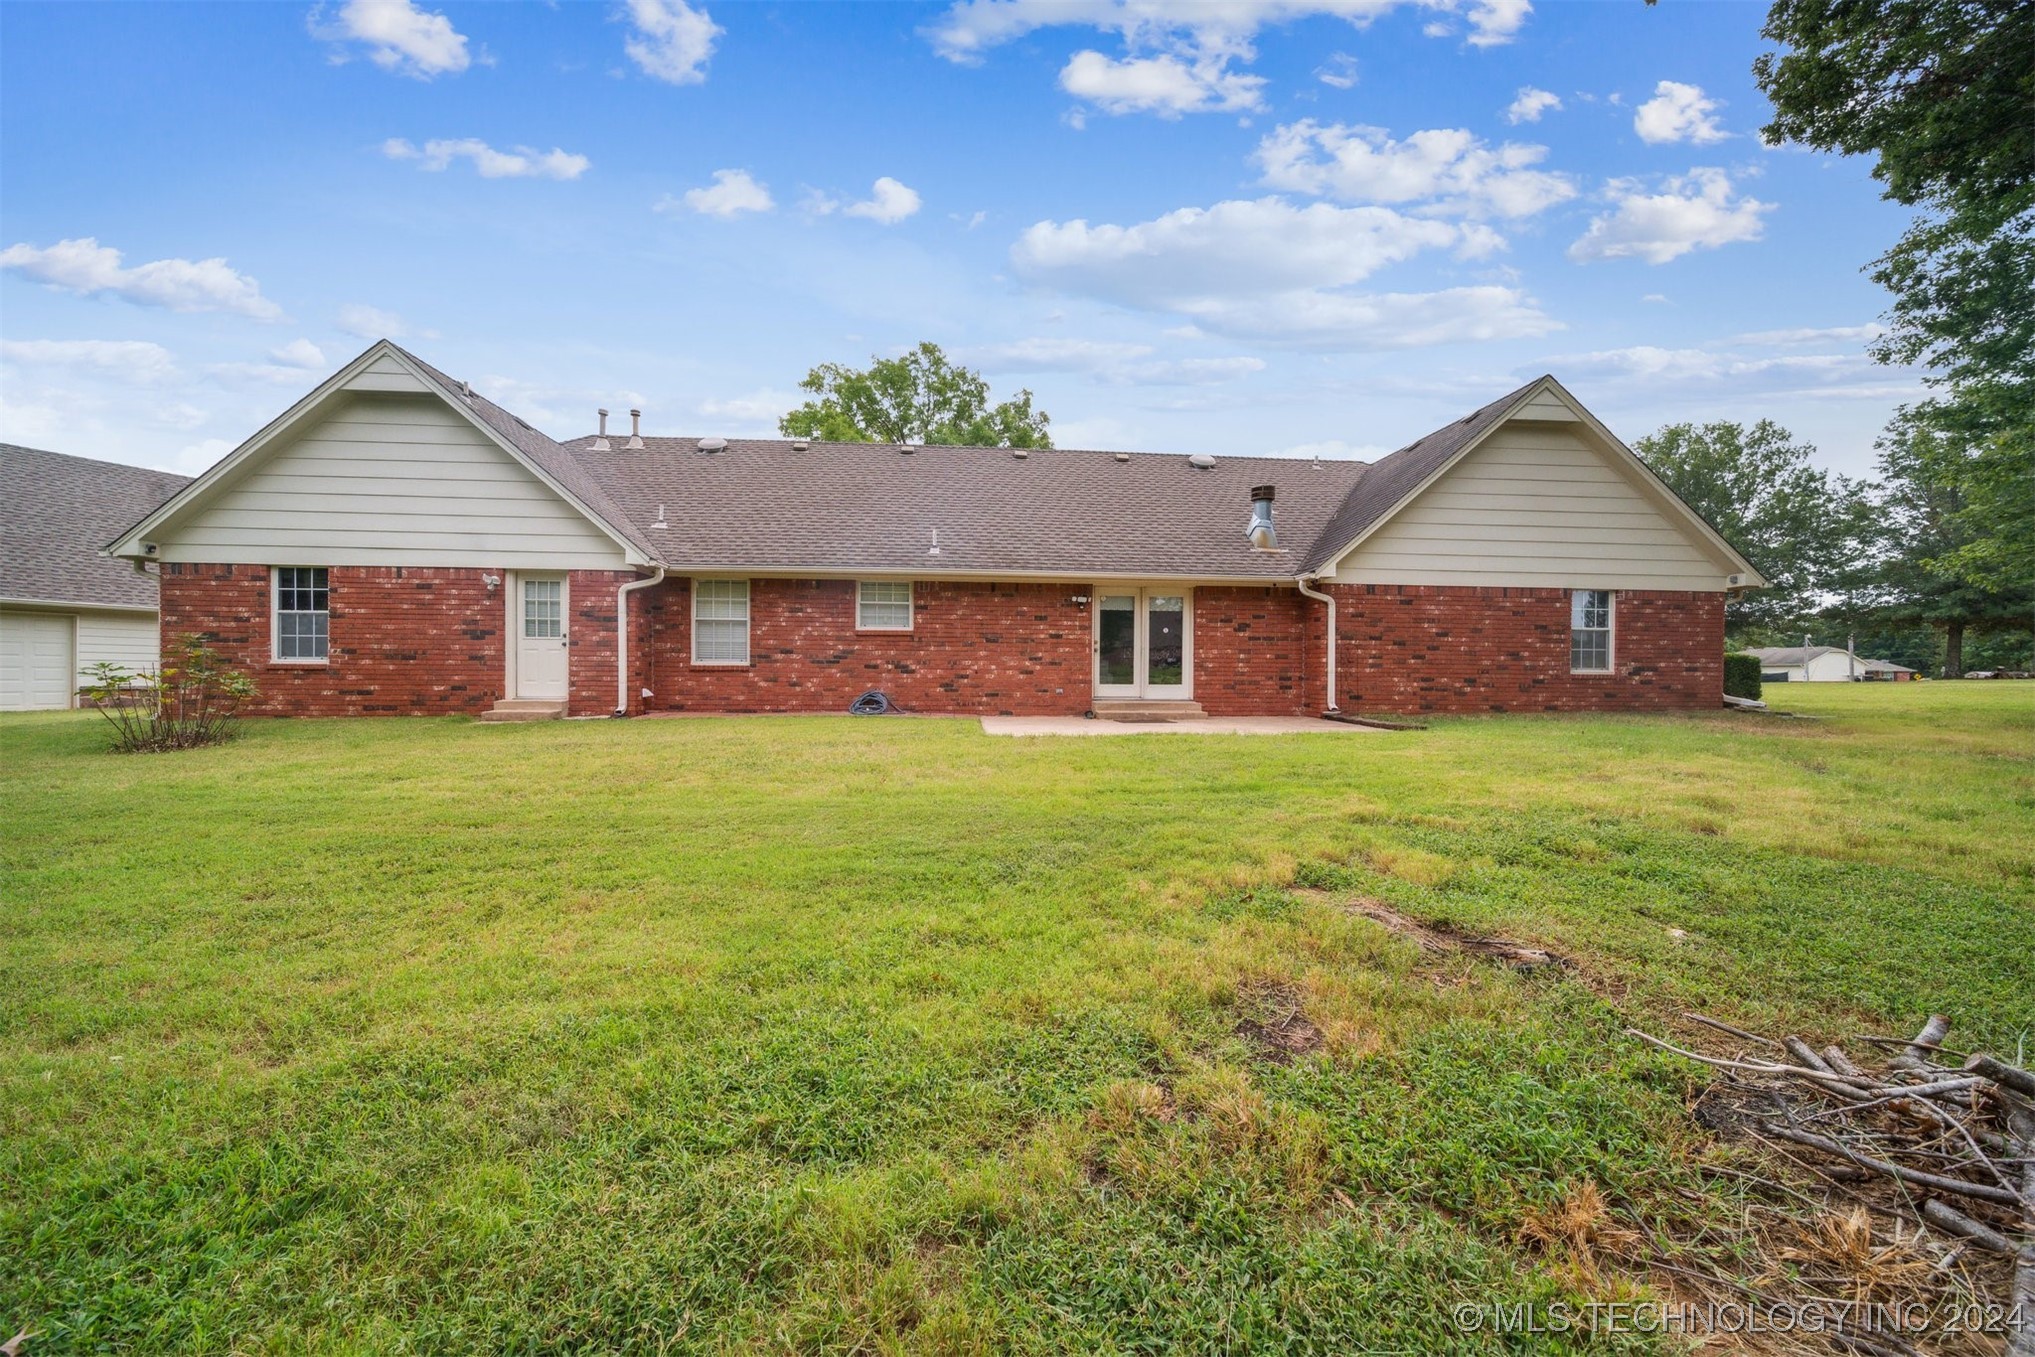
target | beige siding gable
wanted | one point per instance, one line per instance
(1537, 504)
(387, 478)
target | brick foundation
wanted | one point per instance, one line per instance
(429, 640)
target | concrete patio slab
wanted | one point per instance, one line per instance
(1212, 725)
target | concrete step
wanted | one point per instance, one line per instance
(1148, 710)
(523, 709)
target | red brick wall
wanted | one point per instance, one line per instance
(1252, 649)
(404, 640)
(1427, 648)
(1017, 649)
(428, 640)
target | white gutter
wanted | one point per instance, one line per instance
(622, 637)
(1306, 587)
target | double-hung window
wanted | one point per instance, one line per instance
(303, 612)
(883, 605)
(720, 622)
(1590, 631)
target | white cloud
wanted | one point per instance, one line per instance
(523, 162)
(131, 360)
(1656, 298)
(371, 322)
(732, 193)
(672, 41)
(86, 267)
(756, 412)
(299, 353)
(1335, 450)
(1054, 355)
(1530, 104)
(399, 37)
(889, 202)
(180, 416)
(1267, 270)
(1189, 371)
(818, 203)
(198, 458)
(1166, 84)
(1494, 23)
(1338, 72)
(1677, 112)
(1447, 169)
(1698, 211)
(1835, 333)
(1179, 58)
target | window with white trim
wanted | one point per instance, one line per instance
(720, 622)
(883, 605)
(1590, 631)
(302, 615)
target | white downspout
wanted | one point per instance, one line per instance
(1305, 583)
(622, 637)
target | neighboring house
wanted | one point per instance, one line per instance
(397, 543)
(1824, 664)
(64, 606)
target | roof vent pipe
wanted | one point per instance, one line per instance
(635, 429)
(601, 443)
(1263, 535)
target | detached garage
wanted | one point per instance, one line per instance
(63, 606)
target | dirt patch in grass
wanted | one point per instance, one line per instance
(1440, 937)
(1279, 1029)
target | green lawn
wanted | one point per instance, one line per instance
(803, 1034)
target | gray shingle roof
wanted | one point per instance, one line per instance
(760, 504)
(55, 514)
(1391, 478)
(1788, 656)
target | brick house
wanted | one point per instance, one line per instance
(397, 543)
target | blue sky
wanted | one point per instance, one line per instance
(1249, 226)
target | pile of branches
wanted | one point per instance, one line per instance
(1956, 1142)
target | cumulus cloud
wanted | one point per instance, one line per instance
(522, 162)
(299, 353)
(1182, 58)
(1167, 85)
(1530, 104)
(371, 322)
(889, 202)
(86, 267)
(1267, 270)
(1858, 334)
(1338, 72)
(1110, 361)
(398, 36)
(1445, 169)
(1696, 211)
(131, 360)
(1677, 112)
(671, 41)
(732, 193)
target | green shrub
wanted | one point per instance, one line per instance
(1741, 675)
(192, 700)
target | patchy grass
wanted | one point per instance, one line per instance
(888, 1036)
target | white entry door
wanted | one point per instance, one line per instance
(1142, 646)
(540, 636)
(36, 671)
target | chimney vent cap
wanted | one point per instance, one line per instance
(1201, 461)
(1261, 492)
(712, 445)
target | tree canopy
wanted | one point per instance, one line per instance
(918, 397)
(1803, 527)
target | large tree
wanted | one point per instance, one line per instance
(919, 397)
(1929, 476)
(1940, 92)
(1803, 527)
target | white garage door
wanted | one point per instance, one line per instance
(35, 661)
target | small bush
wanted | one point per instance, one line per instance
(192, 700)
(1741, 675)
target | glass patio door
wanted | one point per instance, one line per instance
(1141, 643)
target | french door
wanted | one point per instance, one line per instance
(1142, 644)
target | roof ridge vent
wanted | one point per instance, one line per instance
(800, 444)
(710, 446)
(1202, 461)
(1123, 457)
(1021, 453)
